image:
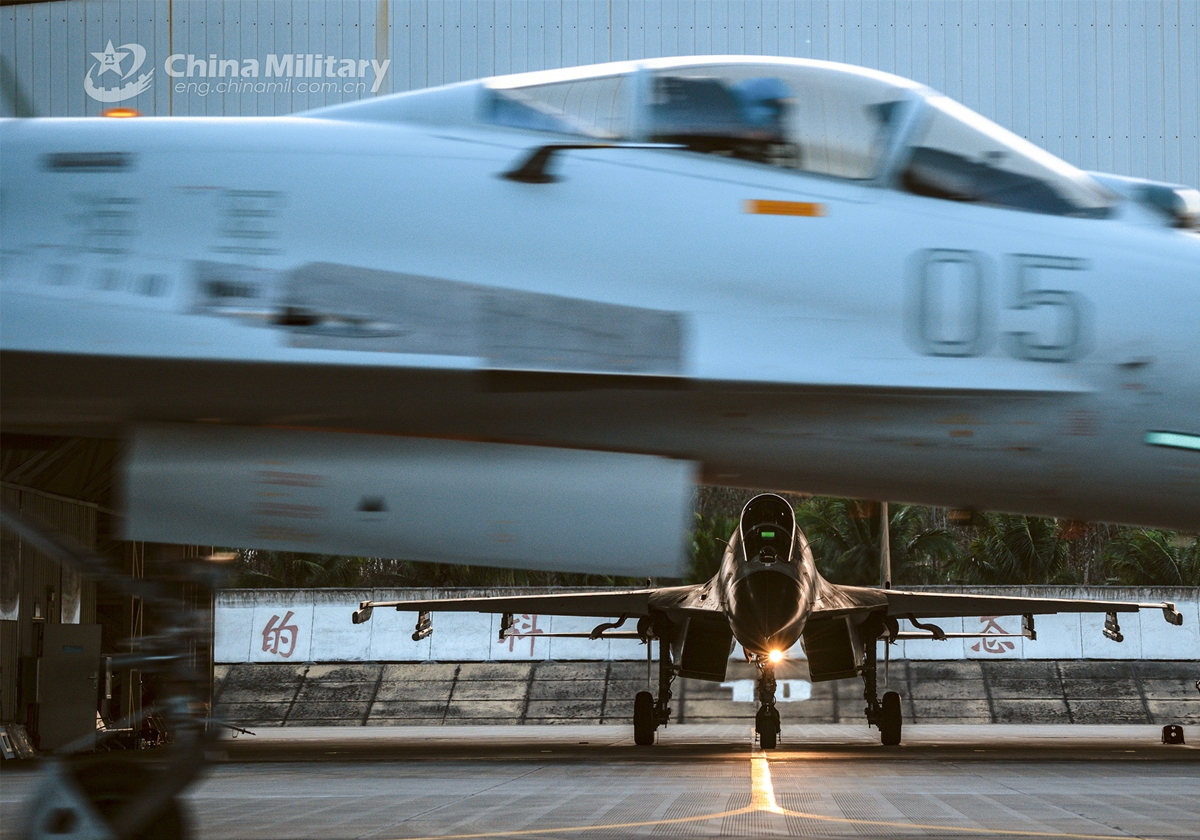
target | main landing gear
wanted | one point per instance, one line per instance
(650, 713)
(885, 714)
(766, 722)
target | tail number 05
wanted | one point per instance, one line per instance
(951, 311)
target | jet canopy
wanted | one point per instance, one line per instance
(808, 116)
(814, 117)
(768, 529)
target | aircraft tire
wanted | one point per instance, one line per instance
(766, 724)
(891, 720)
(111, 782)
(643, 719)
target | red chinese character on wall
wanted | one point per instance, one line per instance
(279, 633)
(524, 627)
(992, 627)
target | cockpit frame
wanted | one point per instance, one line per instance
(760, 512)
(915, 109)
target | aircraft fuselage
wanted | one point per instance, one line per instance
(768, 586)
(361, 272)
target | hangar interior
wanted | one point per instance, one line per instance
(63, 633)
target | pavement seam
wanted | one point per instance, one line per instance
(528, 691)
(292, 703)
(1062, 685)
(836, 713)
(1137, 680)
(604, 691)
(374, 694)
(473, 794)
(450, 697)
(986, 678)
(216, 697)
(681, 706)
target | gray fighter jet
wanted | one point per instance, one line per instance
(767, 595)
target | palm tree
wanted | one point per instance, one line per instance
(1139, 557)
(1011, 549)
(844, 536)
(709, 542)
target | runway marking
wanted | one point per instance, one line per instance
(762, 792)
(762, 798)
(526, 832)
(1006, 832)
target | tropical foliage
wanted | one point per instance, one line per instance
(1153, 558)
(286, 570)
(709, 541)
(992, 549)
(845, 540)
(1009, 549)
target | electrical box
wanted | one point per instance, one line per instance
(68, 684)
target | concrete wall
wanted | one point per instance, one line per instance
(423, 694)
(1105, 85)
(314, 626)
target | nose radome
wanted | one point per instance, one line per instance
(767, 602)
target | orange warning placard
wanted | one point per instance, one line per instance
(763, 207)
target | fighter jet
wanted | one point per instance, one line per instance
(514, 321)
(766, 595)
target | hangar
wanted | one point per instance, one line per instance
(1019, 65)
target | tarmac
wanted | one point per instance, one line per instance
(701, 780)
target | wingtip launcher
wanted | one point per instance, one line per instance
(1172, 615)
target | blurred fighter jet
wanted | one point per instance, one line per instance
(767, 595)
(512, 321)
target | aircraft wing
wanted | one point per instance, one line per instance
(835, 601)
(631, 603)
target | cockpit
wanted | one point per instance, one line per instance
(812, 117)
(768, 528)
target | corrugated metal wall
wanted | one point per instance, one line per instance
(28, 578)
(1106, 84)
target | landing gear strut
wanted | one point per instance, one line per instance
(766, 722)
(885, 714)
(650, 713)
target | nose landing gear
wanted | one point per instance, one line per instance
(766, 722)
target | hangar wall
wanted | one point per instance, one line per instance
(313, 625)
(1105, 85)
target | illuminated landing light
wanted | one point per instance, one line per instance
(1174, 440)
(775, 656)
(122, 112)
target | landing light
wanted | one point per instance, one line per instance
(775, 656)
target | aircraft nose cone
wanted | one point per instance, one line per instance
(766, 611)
